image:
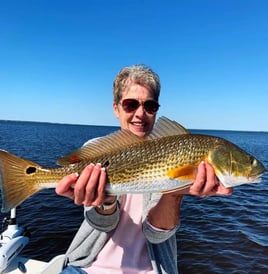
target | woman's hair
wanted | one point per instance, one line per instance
(136, 74)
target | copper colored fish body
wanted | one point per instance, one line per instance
(165, 161)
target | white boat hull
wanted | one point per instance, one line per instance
(31, 266)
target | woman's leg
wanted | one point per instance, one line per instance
(72, 270)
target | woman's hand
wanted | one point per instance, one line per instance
(88, 188)
(207, 184)
(166, 214)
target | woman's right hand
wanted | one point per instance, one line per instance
(88, 188)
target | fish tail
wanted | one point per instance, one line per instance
(16, 180)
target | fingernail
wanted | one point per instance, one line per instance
(76, 174)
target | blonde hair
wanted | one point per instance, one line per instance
(137, 74)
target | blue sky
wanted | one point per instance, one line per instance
(58, 59)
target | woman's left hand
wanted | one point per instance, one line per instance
(205, 184)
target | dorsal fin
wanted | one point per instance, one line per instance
(165, 127)
(102, 145)
(121, 139)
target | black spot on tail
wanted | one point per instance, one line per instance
(30, 170)
(106, 164)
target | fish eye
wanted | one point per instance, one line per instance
(253, 161)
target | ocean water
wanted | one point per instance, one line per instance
(217, 234)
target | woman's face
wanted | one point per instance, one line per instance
(137, 121)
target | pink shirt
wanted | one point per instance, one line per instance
(125, 251)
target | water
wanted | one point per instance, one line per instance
(217, 234)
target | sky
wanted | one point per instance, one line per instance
(58, 59)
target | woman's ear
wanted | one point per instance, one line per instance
(116, 110)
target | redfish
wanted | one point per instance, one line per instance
(165, 161)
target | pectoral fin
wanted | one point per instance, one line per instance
(183, 173)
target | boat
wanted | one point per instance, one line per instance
(12, 241)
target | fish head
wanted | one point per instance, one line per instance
(234, 166)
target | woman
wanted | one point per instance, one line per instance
(133, 233)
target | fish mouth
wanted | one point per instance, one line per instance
(255, 178)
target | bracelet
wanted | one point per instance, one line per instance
(106, 207)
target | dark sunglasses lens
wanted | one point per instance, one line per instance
(151, 106)
(130, 105)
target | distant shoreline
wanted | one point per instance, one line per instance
(117, 127)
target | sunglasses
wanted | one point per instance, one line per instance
(131, 105)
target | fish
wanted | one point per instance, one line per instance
(163, 162)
